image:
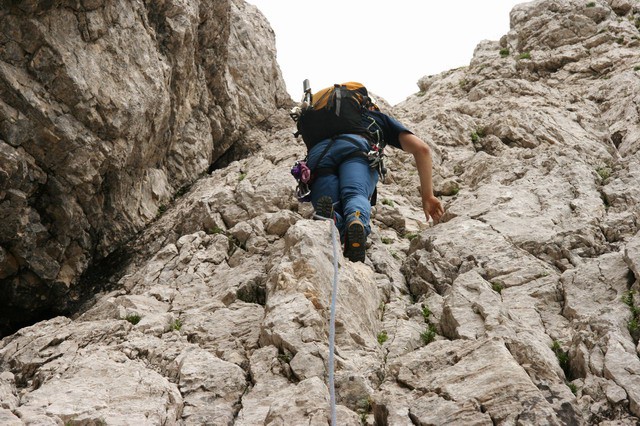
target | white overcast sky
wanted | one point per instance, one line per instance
(385, 44)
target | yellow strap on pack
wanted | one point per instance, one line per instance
(321, 97)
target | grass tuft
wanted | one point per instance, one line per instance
(176, 325)
(563, 357)
(429, 335)
(133, 318)
(215, 230)
(426, 313)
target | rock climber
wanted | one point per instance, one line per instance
(345, 193)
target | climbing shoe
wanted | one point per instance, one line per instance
(354, 248)
(324, 207)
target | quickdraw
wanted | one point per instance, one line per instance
(302, 174)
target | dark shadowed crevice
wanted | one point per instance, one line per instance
(380, 414)
(239, 150)
(13, 318)
(101, 276)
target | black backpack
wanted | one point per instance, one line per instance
(332, 111)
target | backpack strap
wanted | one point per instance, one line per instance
(330, 144)
(323, 171)
(338, 92)
(324, 152)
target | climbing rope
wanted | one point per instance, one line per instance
(332, 320)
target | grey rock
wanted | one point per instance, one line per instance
(109, 110)
(517, 308)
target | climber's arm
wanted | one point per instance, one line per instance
(424, 163)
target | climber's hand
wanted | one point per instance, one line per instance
(432, 208)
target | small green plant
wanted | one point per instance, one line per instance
(524, 55)
(636, 68)
(383, 308)
(497, 287)
(563, 357)
(388, 202)
(363, 418)
(422, 93)
(604, 172)
(133, 318)
(382, 337)
(181, 191)
(637, 23)
(634, 323)
(242, 176)
(504, 52)
(573, 387)
(364, 405)
(285, 357)
(429, 335)
(161, 209)
(176, 325)
(455, 190)
(620, 40)
(477, 135)
(627, 298)
(591, 4)
(410, 235)
(215, 230)
(386, 240)
(426, 313)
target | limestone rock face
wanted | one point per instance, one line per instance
(521, 307)
(109, 108)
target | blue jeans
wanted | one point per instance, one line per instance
(353, 184)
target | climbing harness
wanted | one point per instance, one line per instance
(332, 319)
(305, 174)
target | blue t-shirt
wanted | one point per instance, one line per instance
(389, 128)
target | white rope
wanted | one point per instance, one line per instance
(332, 326)
(332, 321)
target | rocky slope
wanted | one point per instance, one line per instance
(521, 307)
